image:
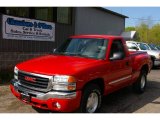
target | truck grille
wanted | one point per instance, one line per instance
(32, 81)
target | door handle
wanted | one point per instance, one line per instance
(127, 63)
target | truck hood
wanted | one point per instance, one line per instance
(56, 64)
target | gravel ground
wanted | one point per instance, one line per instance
(123, 101)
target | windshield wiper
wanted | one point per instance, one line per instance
(78, 55)
(73, 54)
(65, 53)
(58, 53)
(81, 55)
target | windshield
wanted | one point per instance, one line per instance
(152, 46)
(83, 47)
(143, 46)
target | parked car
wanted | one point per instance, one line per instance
(158, 47)
(82, 70)
(152, 47)
(139, 46)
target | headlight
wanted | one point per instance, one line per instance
(15, 73)
(64, 83)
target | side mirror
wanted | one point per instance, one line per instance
(117, 56)
(53, 50)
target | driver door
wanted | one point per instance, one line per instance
(120, 69)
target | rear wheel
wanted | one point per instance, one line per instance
(91, 99)
(140, 85)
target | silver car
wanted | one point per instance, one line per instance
(152, 47)
(140, 46)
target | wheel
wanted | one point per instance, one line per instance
(91, 99)
(140, 85)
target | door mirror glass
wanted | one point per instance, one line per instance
(117, 50)
(117, 56)
(53, 50)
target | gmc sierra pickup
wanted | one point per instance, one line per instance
(79, 72)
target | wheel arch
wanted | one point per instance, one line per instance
(97, 81)
(145, 67)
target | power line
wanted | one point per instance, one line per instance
(144, 19)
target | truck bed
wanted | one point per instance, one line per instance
(132, 53)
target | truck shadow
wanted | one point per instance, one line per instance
(126, 101)
(156, 68)
(5, 77)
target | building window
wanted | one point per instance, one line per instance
(52, 14)
(44, 14)
(64, 15)
(19, 12)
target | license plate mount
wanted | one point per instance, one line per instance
(25, 97)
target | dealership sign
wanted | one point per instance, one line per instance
(27, 29)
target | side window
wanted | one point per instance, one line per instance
(147, 48)
(44, 13)
(142, 46)
(17, 11)
(117, 48)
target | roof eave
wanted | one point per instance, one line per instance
(112, 12)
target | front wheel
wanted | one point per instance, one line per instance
(140, 85)
(91, 99)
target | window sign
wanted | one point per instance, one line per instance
(27, 29)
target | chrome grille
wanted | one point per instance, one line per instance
(41, 81)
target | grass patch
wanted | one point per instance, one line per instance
(5, 76)
(15, 105)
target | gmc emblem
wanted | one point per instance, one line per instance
(30, 79)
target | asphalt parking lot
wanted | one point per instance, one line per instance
(123, 101)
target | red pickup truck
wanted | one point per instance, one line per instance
(79, 72)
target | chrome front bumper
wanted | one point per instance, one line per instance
(41, 95)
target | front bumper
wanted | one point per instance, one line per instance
(157, 62)
(68, 102)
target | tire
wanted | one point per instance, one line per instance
(91, 99)
(140, 85)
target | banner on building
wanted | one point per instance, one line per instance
(27, 29)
